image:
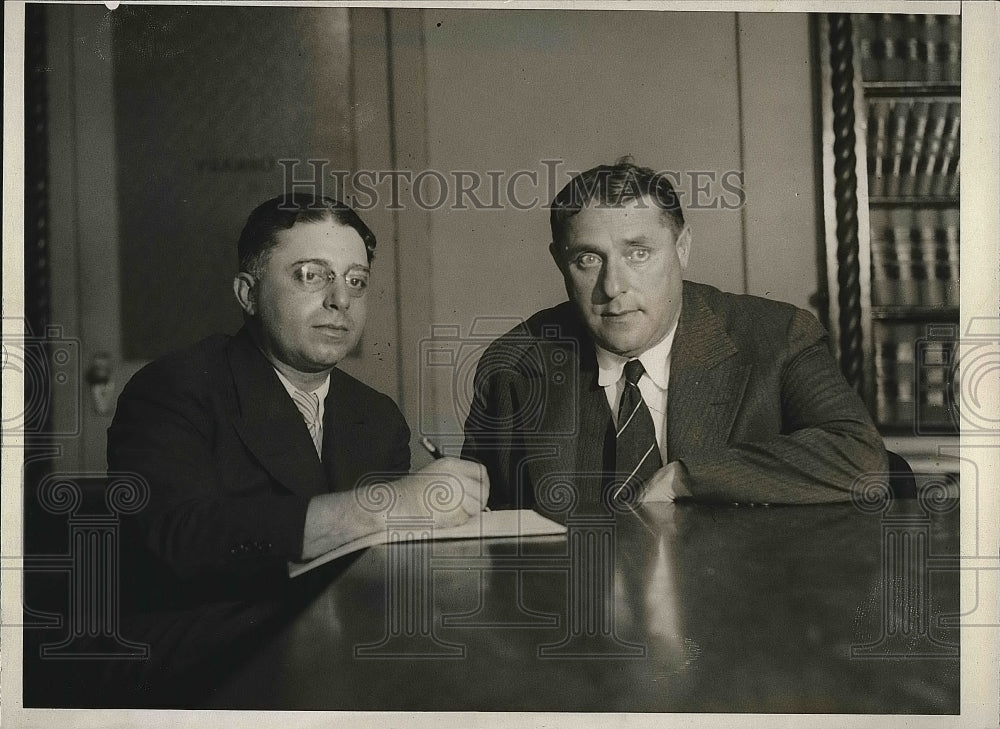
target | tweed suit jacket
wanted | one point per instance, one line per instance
(757, 409)
(229, 460)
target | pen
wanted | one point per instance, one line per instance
(431, 448)
(428, 444)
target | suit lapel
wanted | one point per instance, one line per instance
(575, 412)
(707, 380)
(343, 432)
(268, 422)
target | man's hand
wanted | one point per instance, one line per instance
(669, 483)
(450, 490)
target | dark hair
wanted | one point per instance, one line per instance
(281, 213)
(614, 185)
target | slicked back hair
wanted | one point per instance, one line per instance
(613, 186)
(260, 233)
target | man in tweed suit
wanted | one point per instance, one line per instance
(645, 387)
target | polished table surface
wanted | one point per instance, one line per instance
(827, 608)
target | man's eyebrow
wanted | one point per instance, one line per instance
(639, 240)
(325, 262)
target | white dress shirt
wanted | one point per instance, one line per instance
(652, 385)
(321, 393)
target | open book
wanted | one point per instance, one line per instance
(486, 525)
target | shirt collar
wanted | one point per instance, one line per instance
(320, 391)
(655, 360)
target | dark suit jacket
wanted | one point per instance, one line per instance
(230, 463)
(231, 469)
(757, 410)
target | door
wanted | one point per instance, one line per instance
(167, 126)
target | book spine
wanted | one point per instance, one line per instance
(912, 34)
(951, 49)
(938, 113)
(865, 33)
(954, 152)
(942, 269)
(878, 119)
(877, 23)
(914, 147)
(933, 39)
(885, 376)
(949, 151)
(885, 275)
(954, 177)
(900, 112)
(905, 343)
(902, 226)
(930, 291)
(890, 63)
(949, 224)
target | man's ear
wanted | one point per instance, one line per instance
(683, 245)
(243, 288)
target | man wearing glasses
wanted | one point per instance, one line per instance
(253, 444)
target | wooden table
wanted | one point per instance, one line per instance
(675, 608)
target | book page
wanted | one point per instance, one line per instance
(488, 525)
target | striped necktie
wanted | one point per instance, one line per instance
(637, 456)
(308, 405)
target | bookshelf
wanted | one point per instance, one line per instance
(892, 122)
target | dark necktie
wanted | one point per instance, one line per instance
(637, 456)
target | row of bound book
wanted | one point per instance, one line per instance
(895, 47)
(913, 147)
(913, 377)
(915, 257)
